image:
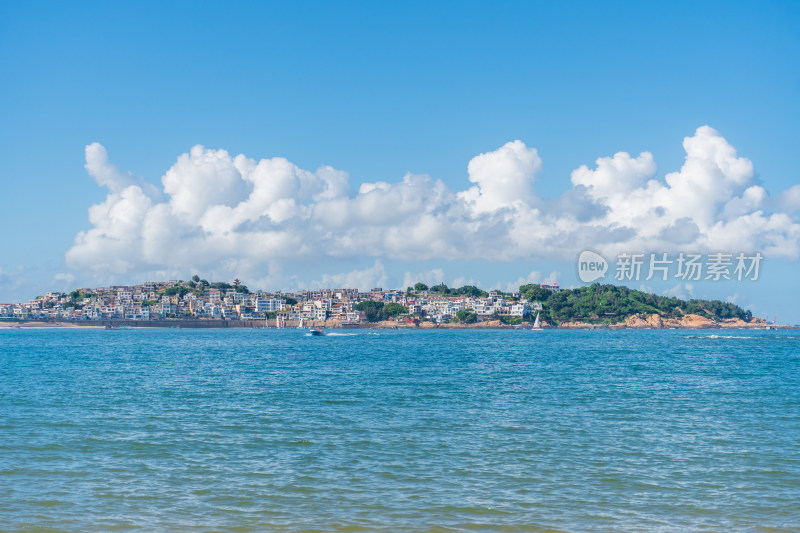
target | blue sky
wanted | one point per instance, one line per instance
(378, 91)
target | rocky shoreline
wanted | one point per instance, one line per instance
(637, 321)
(656, 321)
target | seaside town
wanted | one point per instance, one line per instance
(199, 299)
(199, 304)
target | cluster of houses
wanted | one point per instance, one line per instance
(175, 299)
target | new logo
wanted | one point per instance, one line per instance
(591, 266)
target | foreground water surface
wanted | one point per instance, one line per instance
(269, 430)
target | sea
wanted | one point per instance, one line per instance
(382, 430)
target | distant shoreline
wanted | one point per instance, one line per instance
(631, 323)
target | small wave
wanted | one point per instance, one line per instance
(341, 334)
(720, 337)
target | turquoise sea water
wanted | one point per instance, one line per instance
(267, 430)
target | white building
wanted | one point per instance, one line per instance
(519, 310)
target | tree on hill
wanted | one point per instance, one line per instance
(77, 295)
(420, 287)
(172, 291)
(372, 310)
(440, 289)
(469, 290)
(466, 290)
(467, 316)
(378, 311)
(393, 309)
(535, 293)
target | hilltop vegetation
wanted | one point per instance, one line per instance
(612, 303)
(444, 290)
(378, 311)
(466, 290)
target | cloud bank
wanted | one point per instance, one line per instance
(248, 217)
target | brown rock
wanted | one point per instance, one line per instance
(696, 322)
(636, 321)
(655, 321)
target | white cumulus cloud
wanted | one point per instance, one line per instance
(243, 217)
(107, 174)
(364, 280)
(504, 178)
(428, 277)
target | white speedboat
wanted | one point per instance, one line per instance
(316, 332)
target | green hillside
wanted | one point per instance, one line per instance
(612, 303)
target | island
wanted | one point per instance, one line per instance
(198, 303)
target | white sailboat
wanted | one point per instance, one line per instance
(536, 323)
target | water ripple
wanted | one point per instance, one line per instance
(258, 430)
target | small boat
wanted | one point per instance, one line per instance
(536, 324)
(316, 332)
